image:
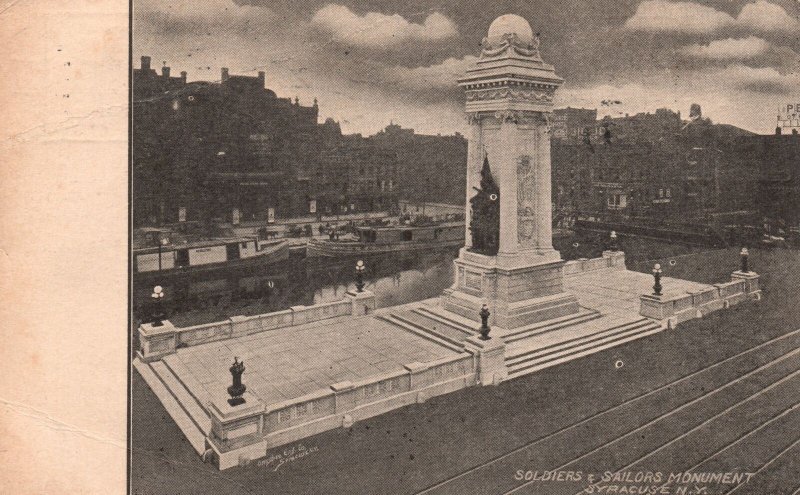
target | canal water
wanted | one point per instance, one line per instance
(201, 297)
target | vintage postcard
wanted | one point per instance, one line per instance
(541, 247)
(460, 247)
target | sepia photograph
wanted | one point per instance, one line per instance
(439, 247)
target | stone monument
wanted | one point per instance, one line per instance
(509, 99)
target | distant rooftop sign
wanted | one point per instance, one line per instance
(789, 115)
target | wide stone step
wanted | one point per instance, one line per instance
(451, 319)
(540, 328)
(532, 363)
(420, 332)
(190, 430)
(188, 401)
(194, 386)
(438, 328)
(533, 348)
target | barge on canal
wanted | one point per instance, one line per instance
(390, 239)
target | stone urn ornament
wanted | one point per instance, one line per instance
(237, 389)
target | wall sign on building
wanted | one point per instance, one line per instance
(182, 214)
(312, 206)
(270, 215)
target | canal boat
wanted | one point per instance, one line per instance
(168, 257)
(389, 239)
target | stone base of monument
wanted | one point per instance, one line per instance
(519, 290)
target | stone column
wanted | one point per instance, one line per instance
(474, 161)
(544, 205)
(505, 169)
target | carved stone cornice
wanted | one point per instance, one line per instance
(523, 117)
(506, 93)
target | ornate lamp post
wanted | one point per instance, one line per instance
(158, 305)
(744, 253)
(237, 389)
(485, 322)
(612, 245)
(657, 276)
(360, 276)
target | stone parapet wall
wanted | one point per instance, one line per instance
(339, 406)
(610, 259)
(158, 341)
(676, 308)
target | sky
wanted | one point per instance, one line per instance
(375, 61)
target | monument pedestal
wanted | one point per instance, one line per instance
(520, 290)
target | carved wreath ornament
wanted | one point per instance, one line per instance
(505, 93)
(511, 41)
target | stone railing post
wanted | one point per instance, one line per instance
(615, 259)
(752, 288)
(156, 342)
(363, 302)
(491, 359)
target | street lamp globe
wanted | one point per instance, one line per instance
(360, 276)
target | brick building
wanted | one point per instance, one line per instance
(653, 166)
(234, 151)
(429, 168)
(779, 180)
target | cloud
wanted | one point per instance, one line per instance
(738, 95)
(684, 17)
(728, 49)
(765, 16)
(376, 30)
(763, 80)
(693, 18)
(439, 76)
(190, 17)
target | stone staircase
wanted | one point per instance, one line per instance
(582, 316)
(412, 322)
(186, 410)
(533, 353)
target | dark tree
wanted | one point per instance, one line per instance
(485, 221)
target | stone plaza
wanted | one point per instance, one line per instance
(515, 306)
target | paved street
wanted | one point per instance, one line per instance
(692, 423)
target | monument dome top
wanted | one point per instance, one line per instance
(510, 24)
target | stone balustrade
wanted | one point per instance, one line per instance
(246, 432)
(156, 342)
(610, 259)
(677, 308)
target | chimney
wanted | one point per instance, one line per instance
(183, 76)
(145, 63)
(261, 78)
(224, 74)
(165, 71)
